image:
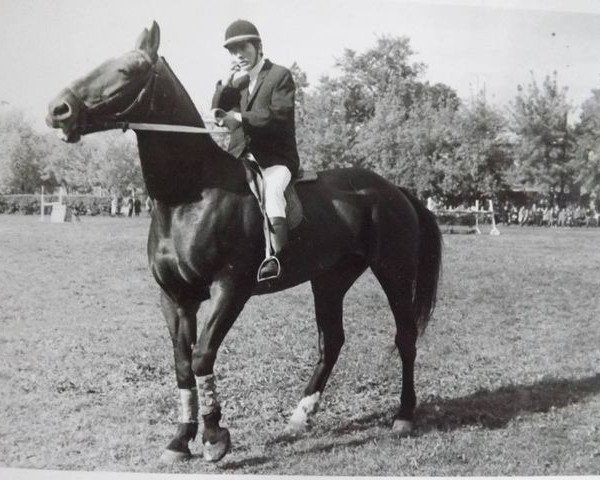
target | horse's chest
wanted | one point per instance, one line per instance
(195, 247)
(178, 260)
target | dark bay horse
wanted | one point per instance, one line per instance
(206, 239)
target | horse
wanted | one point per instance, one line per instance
(206, 239)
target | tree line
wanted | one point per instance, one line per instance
(378, 112)
(30, 159)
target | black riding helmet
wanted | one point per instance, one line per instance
(241, 31)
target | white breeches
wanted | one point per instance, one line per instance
(276, 180)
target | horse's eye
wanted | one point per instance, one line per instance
(124, 71)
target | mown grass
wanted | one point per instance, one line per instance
(507, 373)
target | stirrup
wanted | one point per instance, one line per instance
(263, 263)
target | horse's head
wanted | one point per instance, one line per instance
(108, 92)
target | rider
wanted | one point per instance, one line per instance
(255, 101)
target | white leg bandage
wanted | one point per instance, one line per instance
(276, 179)
(189, 405)
(306, 407)
(207, 393)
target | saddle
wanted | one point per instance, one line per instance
(293, 210)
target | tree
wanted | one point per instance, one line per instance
(341, 106)
(29, 159)
(545, 150)
(586, 163)
(71, 165)
(325, 137)
(107, 159)
(381, 71)
(411, 146)
(301, 82)
(118, 163)
(483, 157)
(21, 157)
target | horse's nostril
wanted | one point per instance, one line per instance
(61, 111)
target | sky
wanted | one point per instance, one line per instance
(466, 44)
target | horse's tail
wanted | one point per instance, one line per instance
(430, 263)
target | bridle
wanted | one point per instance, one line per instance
(113, 122)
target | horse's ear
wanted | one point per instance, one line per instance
(149, 40)
(154, 37)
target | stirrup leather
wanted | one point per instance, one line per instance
(263, 263)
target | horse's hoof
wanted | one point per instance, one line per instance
(295, 429)
(402, 427)
(172, 456)
(213, 452)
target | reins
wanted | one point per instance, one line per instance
(161, 127)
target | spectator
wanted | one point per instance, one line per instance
(114, 205)
(520, 215)
(579, 215)
(514, 215)
(562, 217)
(129, 202)
(504, 209)
(546, 216)
(137, 206)
(149, 204)
(570, 216)
(119, 205)
(554, 216)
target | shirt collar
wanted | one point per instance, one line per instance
(253, 73)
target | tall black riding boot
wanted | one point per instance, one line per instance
(271, 268)
(279, 237)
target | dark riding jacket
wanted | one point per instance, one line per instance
(268, 125)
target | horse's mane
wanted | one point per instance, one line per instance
(163, 65)
(179, 155)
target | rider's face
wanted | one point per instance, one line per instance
(244, 55)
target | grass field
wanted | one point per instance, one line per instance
(507, 376)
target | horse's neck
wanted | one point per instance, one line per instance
(178, 166)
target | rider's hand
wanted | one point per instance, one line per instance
(240, 80)
(228, 78)
(231, 120)
(219, 114)
(235, 77)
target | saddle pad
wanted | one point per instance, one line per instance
(305, 176)
(293, 209)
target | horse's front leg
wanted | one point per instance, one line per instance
(226, 303)
(181, 321)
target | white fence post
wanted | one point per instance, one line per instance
(42, 205)
(494, 230)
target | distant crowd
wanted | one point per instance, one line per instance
(130, 205)
(543, 214)
(548, 216)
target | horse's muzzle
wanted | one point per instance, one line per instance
(60, 110)
(62, 115)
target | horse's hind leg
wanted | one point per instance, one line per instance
(329, 289)
(397, 285)
(181, 321)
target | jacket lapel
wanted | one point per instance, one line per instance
(259, 80)
(244, 100)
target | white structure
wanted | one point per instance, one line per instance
(59, 213)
